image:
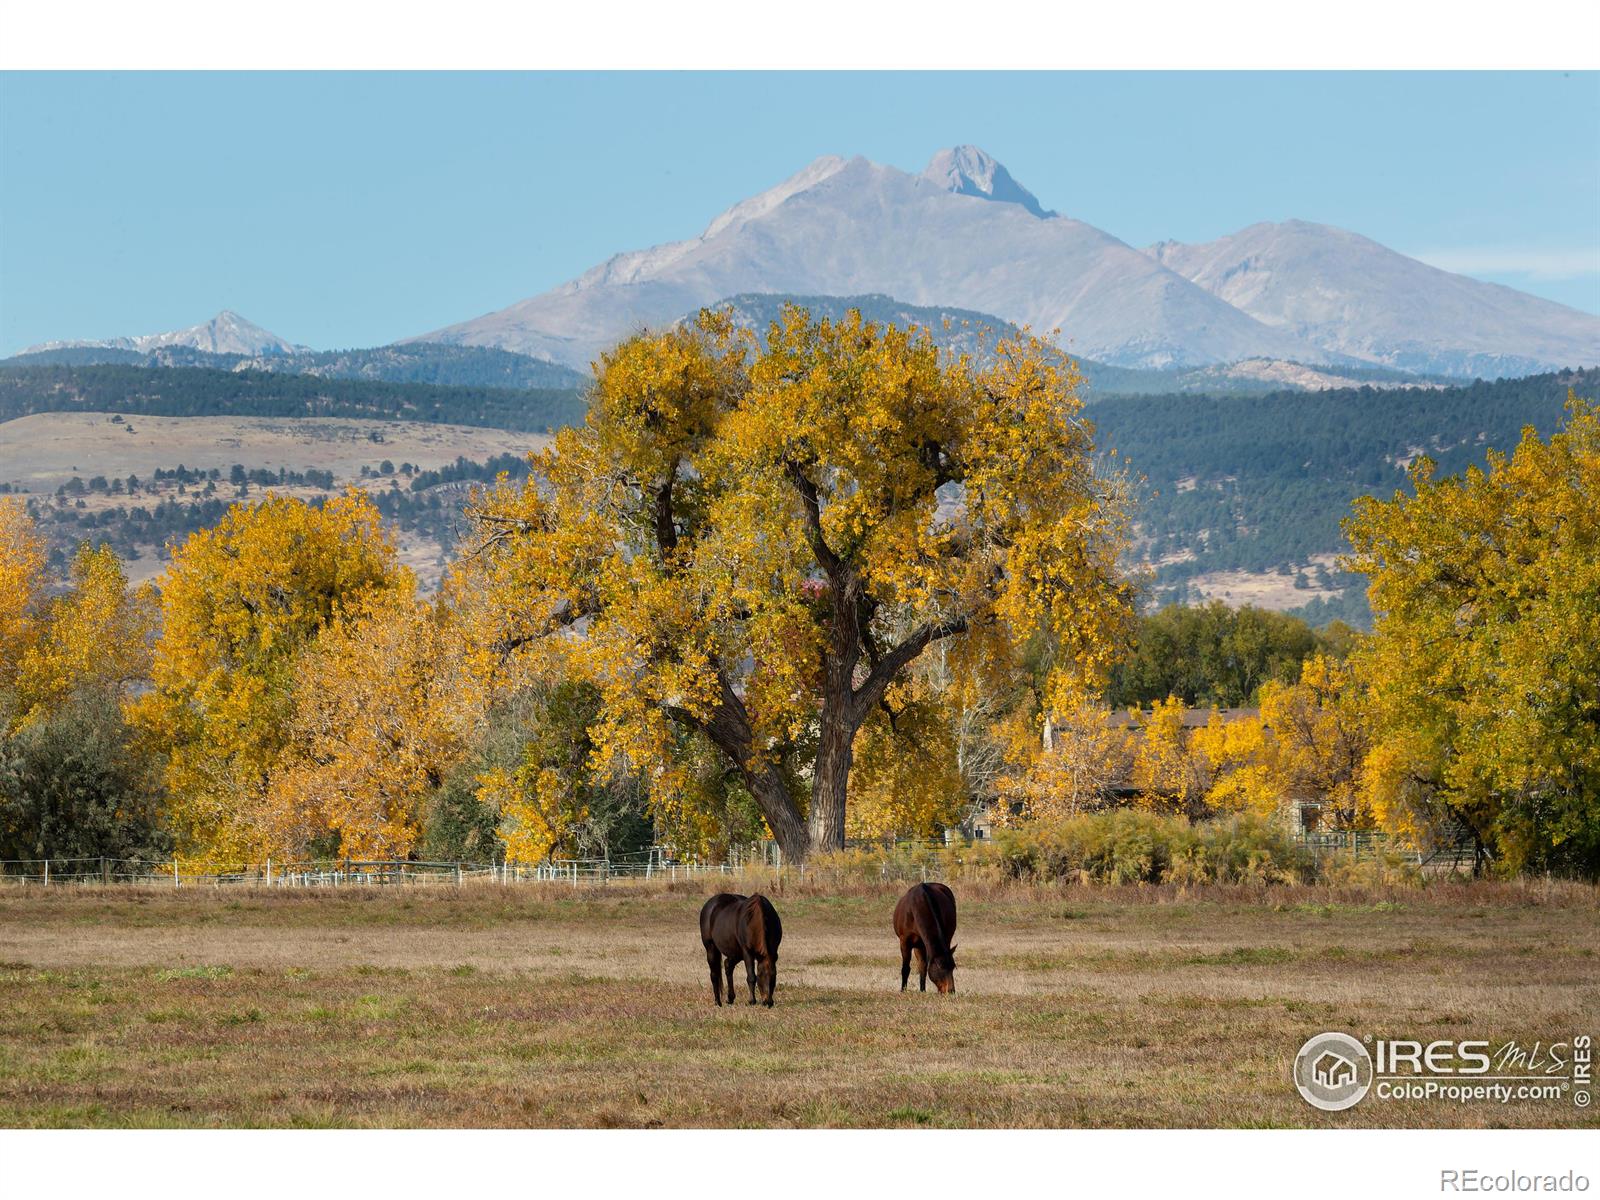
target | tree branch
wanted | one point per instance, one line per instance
(666, 529)
(863, 698)
(830, 562)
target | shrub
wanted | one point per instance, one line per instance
(1387, 869)
(1120, 846)
(1132, 846)
(76, 784)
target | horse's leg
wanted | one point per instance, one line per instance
(733, 996)
(922, 967)
(714, 961)
(905, 962)
(750, 972)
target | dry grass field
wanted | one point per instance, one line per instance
(537, 1006)
(39, 453)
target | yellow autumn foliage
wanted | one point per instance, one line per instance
(94, 637)
(1087, 759)
(1169, 775)
(905, 780)
(239, 603)
(753, 545)
(1319, 738)
(381, 712)
(22, 566)
(1480, 676)
(1239, 761)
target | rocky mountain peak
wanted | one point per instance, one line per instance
(970, 171)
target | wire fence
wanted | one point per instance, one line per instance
(89, 872)
(1355, 843)
(1452, 849)
(893, 860)
(903, 860)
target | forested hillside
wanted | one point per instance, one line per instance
(417, 362)
(194, 392)
(1261, 483)
(1254, 484)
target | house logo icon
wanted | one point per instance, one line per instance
(1333, 1071)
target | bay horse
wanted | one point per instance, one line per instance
(925, 921)
(743, 929)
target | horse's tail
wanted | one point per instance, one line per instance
(939, 942)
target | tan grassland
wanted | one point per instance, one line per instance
(41, 452)
(537, 1005)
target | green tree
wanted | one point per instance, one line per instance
(76, 783)
(1210, 655)
(1483, 669)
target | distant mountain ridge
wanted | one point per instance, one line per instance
(1291, 304)
(854, 227)
(964, 330)
(225, 333)
(965, 233)
(956, 329)
(445, 366)
(1349, 296)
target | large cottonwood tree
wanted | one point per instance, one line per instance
(1482, 674)
(754, 544)
(240, 604)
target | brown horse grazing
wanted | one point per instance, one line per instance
(743, 929)
(925, 921)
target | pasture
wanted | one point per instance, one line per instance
(538, 1005)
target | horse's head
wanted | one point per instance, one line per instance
(942, 970)
(767, 977)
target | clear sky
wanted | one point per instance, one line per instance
(351, 210)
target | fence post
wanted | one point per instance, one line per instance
(175, 882)
(47, 872)
(105, 870)
(458, 874)
(269, 870)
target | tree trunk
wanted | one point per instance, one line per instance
(839, 720)
(783, 818)
(830, 781)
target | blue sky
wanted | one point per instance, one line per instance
(353, 209)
